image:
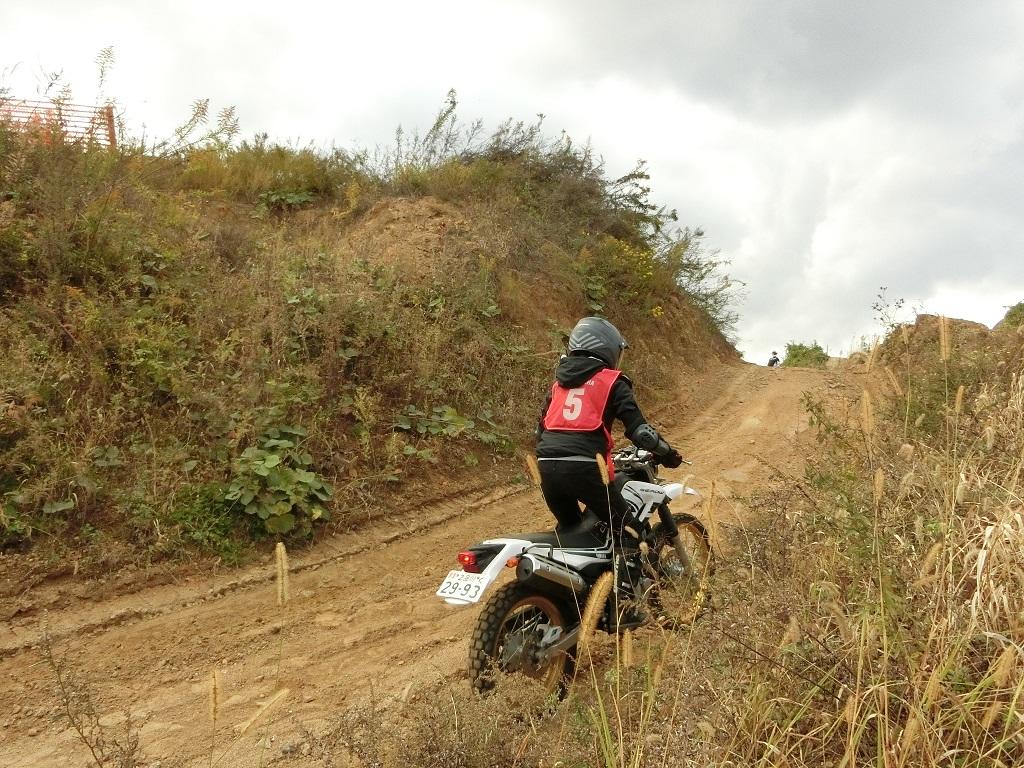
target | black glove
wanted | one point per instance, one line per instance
(672, 460)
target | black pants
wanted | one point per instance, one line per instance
(565, 483)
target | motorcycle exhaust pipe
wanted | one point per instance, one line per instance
(532, 566)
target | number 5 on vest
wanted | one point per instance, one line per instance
(573, 404)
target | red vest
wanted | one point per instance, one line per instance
(581, 409)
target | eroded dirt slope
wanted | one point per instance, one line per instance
(362, 621)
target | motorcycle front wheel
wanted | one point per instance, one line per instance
(508, 635)
(682, 589)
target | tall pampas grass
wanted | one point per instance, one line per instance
(263, 708)
(897, 388)
(867, 423)
(281, 563)
(945, 341)
(936, 581)
(872, 356)
(532, 469)
(215, 688)
(867, 414)
(281, 578)
(602, 468)
(1000, 676)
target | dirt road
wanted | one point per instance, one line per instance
(362, 620)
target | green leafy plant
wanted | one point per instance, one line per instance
(282, 201)
(805, 355)
(595, 289)
(275, 483)
(106, 456)
(445, 421)
(206, 519)
(14, 528)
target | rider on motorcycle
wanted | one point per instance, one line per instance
(588, 394)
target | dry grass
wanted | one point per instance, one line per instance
(874, 618)
(902, 637)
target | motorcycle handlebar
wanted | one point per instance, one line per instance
(627, 455)
(659, 461)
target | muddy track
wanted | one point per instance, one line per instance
(362, 620)
(124, 609)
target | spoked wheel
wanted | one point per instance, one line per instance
(510, 634)
(681, 592)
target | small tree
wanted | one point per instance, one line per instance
(1014, 317)
(805, 355)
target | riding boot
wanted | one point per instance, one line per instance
(630, 589)
(629, 535)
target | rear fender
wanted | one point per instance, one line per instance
(506, 550)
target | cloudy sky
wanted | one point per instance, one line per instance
(827, 147)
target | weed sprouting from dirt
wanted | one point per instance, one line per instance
(109, 746)
(449, 726)
(215, 703)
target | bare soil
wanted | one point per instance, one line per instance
(362, 622)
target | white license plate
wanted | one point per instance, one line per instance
(462, 587)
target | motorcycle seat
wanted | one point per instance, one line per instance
(589, 533)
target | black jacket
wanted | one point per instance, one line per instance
(574, 371)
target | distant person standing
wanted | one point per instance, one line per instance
(773, 361)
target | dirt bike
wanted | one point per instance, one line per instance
(564, 584)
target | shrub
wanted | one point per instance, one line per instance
(260, 167)
(274, 483)
(805, 355)
(702, 277)
(210, 522)
(1014, 317)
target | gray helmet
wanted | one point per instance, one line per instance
(597, 337)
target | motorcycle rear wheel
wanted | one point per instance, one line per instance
(679, 596)
(505, 634)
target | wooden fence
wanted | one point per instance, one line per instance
(74, 122)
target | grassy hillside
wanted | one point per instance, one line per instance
(892, 588)
(205, 342)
